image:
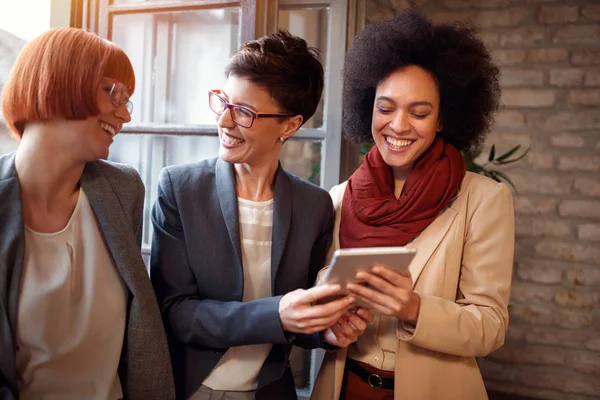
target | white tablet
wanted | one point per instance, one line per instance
(346, 262)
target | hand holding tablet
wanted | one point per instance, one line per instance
(346, 263)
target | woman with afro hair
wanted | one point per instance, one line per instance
(422, 93)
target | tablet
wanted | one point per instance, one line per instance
(346, 262)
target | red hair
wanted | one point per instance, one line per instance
(57, 75)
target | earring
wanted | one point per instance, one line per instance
(282, 139)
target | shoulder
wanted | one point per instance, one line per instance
(115, 171)
(337, 193)
(477, 189)
(123, 179)
(191, 172)
(306, 190)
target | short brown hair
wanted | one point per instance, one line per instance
(57, 75)
(286, 67)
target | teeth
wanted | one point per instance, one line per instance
(108, 128)
(397, 142)
(231, 140)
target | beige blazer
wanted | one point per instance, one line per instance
(462, 272)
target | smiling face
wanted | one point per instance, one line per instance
(405, 117)
(260, 144)
(92, 137)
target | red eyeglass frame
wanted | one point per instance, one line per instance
(231, 106)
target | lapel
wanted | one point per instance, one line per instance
(227, 193)
(282, 216)
(12, 251)
(111, 218)
(282, 213)
(429, 240)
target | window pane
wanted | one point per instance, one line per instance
(303, 159)
(177, 58)
(17, 26)
(311, 24)
(148, 154)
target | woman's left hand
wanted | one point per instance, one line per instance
(389, 293)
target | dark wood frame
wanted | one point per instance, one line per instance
(350, 151)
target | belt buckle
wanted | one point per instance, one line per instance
(375, 378)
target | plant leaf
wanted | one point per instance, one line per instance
(474, 168)
(519, 158)
(509, 153)
(494, 176)
(492, 153)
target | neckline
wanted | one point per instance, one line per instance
(69, 222)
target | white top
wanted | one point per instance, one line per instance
(71, 313)
(239, 367)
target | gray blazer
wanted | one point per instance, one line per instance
(116, 195)
(196, 269)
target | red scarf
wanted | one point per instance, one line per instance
(371, 214)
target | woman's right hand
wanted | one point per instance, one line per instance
(298, 314)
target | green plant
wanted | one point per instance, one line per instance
(492, 160)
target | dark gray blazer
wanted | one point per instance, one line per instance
(116, 195)
(196, 269)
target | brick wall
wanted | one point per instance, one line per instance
(549, 55)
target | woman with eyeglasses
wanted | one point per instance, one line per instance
(238, 241)
(78, 316)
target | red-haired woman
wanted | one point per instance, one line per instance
(78, 316)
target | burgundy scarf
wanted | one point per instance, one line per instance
(371, 214)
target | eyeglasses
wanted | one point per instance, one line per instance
(119, 95)
(243, 116)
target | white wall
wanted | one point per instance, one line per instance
(17, 17)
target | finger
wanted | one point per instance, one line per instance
(321, 276)
(365, 314)
(318, 292)
(373, 295)
(344, 324)
(396, 278)
(311, 325)
(341, 339)
(333, 307)
(393, 305)
(379, 283)
(383, 309)
(358, 324)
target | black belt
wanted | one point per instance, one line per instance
(374, 380)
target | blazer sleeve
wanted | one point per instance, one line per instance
(317, 260)
(193, 320)
(475, 324)
(5, 392)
